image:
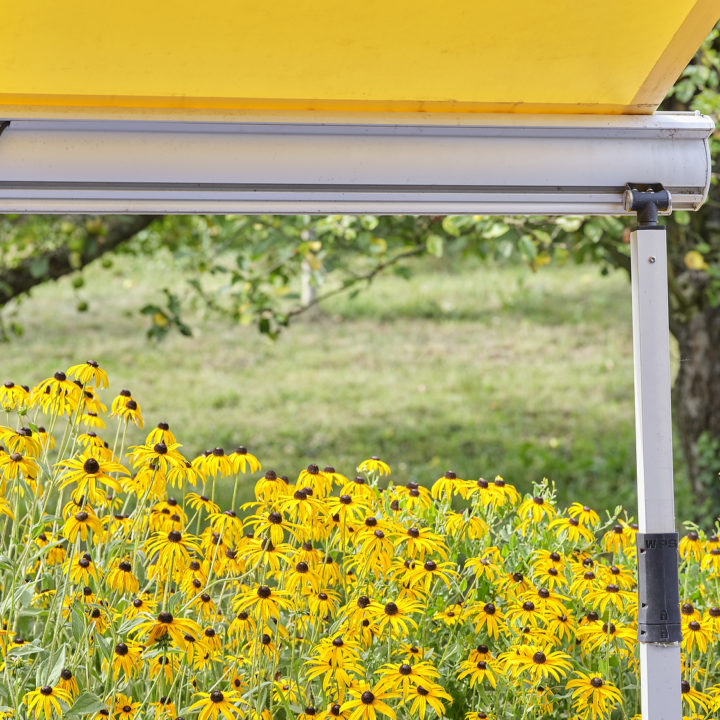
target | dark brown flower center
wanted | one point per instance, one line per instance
(367, 698)
(539, 657)
(264, 591)
(391, 609)
(596, 682)
(216, 696)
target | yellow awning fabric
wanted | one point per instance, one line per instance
(224, 56)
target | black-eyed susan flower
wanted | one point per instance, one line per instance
(56, 395)
(274, 525)
(270, 486)
(538, 664)
(358, 486)
(124, 707)
(143, 604)
(609, 595)
(47, 701)
(479, 672)
(166, 624)
(488, 616)
(526, 612)
(368, 702)
(244, 461)
(127, 408)
(400, 677)
(501, 493)
(377, 549)
(262, 601)
(696, 634)
(214, 464)
(160, 456)
(126, 659)
(488, 565)
(301, 576)
(397, 616)
(81, 569)
(447, 486)
(68, 682)
(413, 496)
(618, 574)
(324, 603)
(13, 396)
(374, 465)
(690, 546)
(536, 508)
(315, 480)
(89, 469)
(173, 548)
(561, 625)
(593, 696)
(23, 441)
(466, 525)
(81, 523)
(89, 372)
(164, 709)
(586, 515)
(333, 711)
(618, 538)
(451, 614)
(349, 508)
(694, 699)
(425, 574)
(606, 635)
(573, 529)
(15, 465)
(201, 502)
(163, 666)
(428, 695)
(121, 578)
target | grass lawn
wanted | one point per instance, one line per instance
(481, 370)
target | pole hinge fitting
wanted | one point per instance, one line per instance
(647, 200)
(658, 588)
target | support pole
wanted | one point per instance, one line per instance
(660, 672)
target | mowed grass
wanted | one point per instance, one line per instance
(482, 370)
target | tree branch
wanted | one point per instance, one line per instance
(60, 261)
(367, 277)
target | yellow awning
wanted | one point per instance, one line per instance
(220, 57)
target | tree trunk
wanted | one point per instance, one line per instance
(696, 402)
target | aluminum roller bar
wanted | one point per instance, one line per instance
(439, 164)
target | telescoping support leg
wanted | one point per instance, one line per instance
(658, 597)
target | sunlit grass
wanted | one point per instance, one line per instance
(481, 370)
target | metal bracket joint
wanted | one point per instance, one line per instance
(647, 200)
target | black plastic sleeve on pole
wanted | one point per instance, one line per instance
(658, 589)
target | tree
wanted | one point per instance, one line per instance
(261, 257)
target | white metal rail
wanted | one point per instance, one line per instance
(442, 165)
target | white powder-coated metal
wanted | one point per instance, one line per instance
(458, 165)
(659, 663)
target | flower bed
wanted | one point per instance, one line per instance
(128, 592)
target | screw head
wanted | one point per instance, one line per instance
(651, 259)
